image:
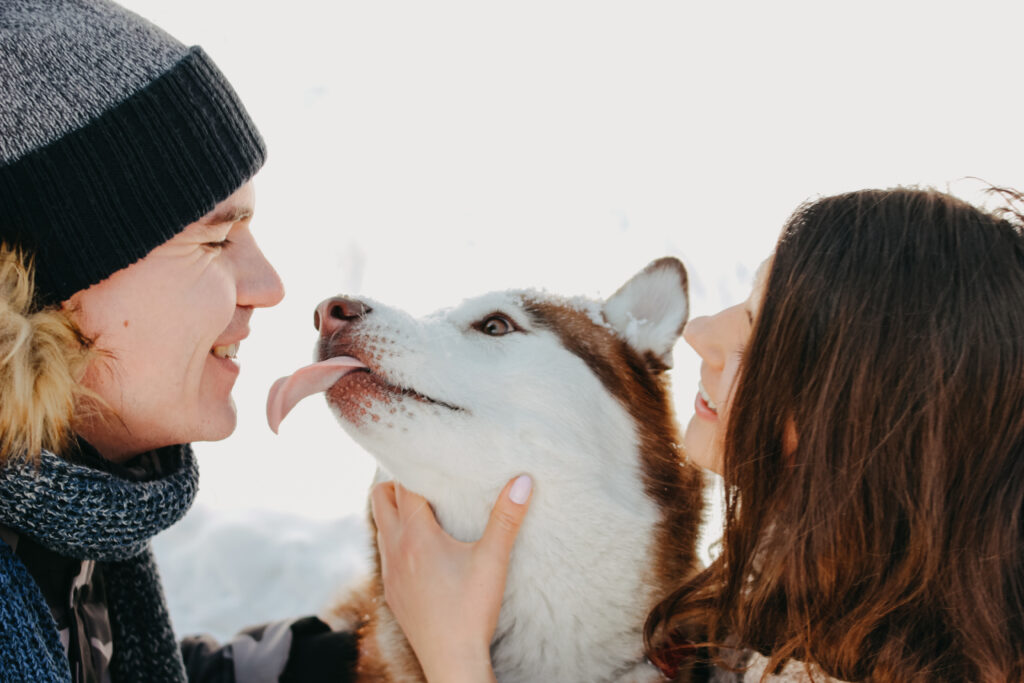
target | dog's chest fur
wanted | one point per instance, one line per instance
(575, 395)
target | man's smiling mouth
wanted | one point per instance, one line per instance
(227, 351)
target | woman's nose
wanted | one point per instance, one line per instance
(699, 333)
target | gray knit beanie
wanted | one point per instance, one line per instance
(113, 137)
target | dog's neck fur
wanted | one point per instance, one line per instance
(583, 575)
(579, 582)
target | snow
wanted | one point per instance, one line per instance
(224, 570)
(422, 153)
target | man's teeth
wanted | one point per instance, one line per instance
(229, 351)
(707, 399)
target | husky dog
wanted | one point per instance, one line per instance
(571, 391)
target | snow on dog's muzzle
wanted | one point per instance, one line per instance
(312, 379)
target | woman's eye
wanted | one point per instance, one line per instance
(217, 245)
(496, 326)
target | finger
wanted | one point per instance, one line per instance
(384, 507)
(402, 498)
(382, 555)
(506, 519)
(412, 507)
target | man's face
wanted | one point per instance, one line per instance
(168, 327)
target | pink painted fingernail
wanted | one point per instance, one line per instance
(520, 490)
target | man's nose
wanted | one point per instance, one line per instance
(335, 313)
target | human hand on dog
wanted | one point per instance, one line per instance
(446, 594)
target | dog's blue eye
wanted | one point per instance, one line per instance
(496, 325)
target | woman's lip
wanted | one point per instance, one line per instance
(703, 411)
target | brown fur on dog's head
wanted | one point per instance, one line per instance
(43, 355)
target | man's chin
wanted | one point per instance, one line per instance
(218, 423)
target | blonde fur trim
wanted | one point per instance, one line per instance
(43, 355)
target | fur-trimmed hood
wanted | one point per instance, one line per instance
(43, 356)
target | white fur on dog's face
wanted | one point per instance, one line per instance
(445, 406)
(521, 392)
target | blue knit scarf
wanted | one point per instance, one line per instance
(86, 513)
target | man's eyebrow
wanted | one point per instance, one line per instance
(227, 214)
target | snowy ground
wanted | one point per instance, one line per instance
(224, 570)
(425, 152)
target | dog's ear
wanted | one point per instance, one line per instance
(650, 310)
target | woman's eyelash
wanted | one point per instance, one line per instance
(217, 245)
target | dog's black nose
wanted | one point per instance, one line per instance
(332, 314)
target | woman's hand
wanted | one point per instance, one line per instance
(446, 594)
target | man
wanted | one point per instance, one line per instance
(125, 167)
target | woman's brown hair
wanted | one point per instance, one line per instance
(889, 545)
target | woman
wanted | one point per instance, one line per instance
(865, 407)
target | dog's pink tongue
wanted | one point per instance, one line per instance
(312, 379)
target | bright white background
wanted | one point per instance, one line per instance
(423, 152)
